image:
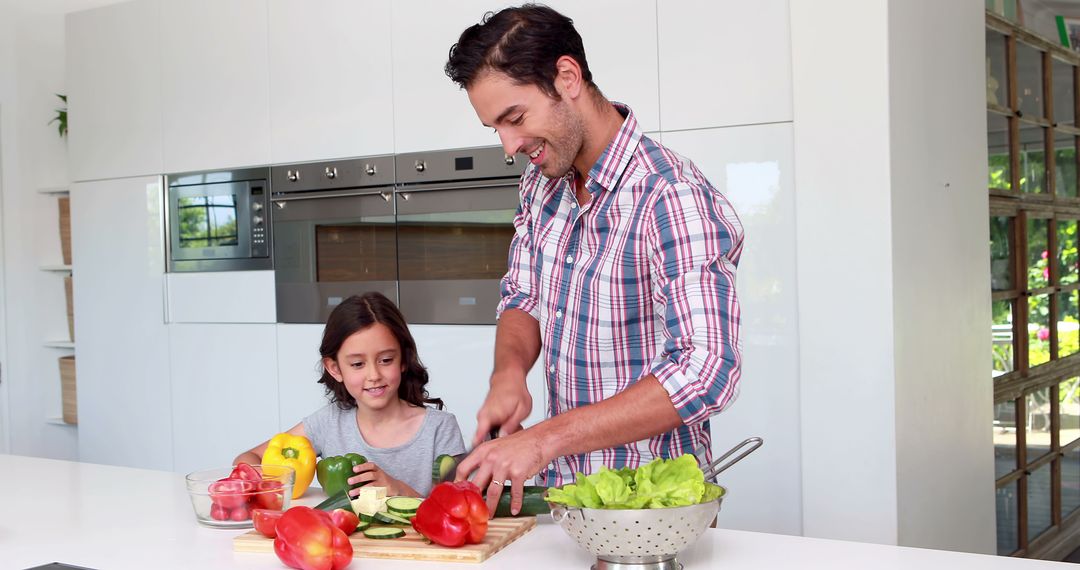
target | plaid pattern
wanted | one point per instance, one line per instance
(639, 281)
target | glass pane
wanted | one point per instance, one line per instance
(1064, 96)
(1004, 438)
(1070, 481)
(1002, 335)
(997, 140)
(996, 78)
(1065, 164)
(1029, 80)
(207, 221)
(1038, 330)
(1067, 326)
(1032, 159)
(1069, 411)
(1001, 267)
(1038, 501)
(1038, 231)
(1066, 251)
(1008, 521)
(1037, 428)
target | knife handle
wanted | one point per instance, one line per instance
(494, 433)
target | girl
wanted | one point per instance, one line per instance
(375, 382)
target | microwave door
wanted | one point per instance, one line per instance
(210, 222)
(452, 251)
(327, 248)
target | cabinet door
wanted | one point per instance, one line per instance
(754, 167)
(224, 392)
(430, 111)
(330, 79)
(724, 63)
(215, 101)
(621, 51)
(298, 372)
(122, 360)
(114, 91)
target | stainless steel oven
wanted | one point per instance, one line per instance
(455, 213)
(217, 220)
(334, 234)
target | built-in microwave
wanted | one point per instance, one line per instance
(217, 221)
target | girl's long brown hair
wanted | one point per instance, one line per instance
(360, 312)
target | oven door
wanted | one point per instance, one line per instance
(330, 245)
(209, 223)
(453, 242)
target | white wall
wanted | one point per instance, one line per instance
(941, 302)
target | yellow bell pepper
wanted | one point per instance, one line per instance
(293, 451)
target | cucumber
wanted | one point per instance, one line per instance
(391, 518)
(381, 532)
(404, 506)
(339, 500)
(443, 466)
(366, 518)
(532, 502)
(363, 525)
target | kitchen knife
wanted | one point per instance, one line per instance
(457, 459)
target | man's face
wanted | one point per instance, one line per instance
(550, 132)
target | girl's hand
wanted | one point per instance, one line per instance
(374, 475)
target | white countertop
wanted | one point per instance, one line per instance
(107, 517)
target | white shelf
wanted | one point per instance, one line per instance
(59, 344)
(55, 190)
(58, 421)
(66, 268)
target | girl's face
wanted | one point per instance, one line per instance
(369, 364)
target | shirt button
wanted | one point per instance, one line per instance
(569, 259)
(558, 314)
(551, 368)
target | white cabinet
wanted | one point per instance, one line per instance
(123, 366)
(114, 91)
(754, 167)
(215, 96)
(224, 392)
(430, 111)
(330, 79)
(221, 297)
(298, 372)
(724, 63)
(621, 51)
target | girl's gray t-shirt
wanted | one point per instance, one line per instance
(333, 431)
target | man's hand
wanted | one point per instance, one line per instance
(508, 403)
(515, 458)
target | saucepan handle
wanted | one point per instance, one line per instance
(715, 468)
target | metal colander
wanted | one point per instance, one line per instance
(644, 538)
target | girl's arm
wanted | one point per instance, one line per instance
(254, 455)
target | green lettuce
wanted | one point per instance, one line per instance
(660, 483)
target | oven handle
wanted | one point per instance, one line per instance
(385, 194)
(457, 186)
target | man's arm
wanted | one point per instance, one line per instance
(508, 403)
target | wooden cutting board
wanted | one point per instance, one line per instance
(412, 546)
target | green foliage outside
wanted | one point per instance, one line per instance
(196, 229)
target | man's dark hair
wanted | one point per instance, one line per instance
(523, 43)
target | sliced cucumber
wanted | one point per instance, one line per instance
(381, 532)
(391, 518)
(362, 525)
(443, 466)
(405, 506)
(366, 518)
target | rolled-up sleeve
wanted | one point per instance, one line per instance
(695, 240)
(518, 288)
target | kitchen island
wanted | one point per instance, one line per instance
(117, 518)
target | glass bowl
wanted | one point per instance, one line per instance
(223, 502)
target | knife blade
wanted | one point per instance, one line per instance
(457, 459)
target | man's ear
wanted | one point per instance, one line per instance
(331, 366)
(568, 80)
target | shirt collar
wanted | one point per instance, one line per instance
(612, 163)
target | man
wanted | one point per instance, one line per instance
(621, 272)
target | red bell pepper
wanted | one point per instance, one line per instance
(454, 514)
(307, 541)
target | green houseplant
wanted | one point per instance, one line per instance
(61, 117)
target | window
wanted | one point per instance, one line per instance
(1031, 105)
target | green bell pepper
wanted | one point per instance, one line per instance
(333, 472)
